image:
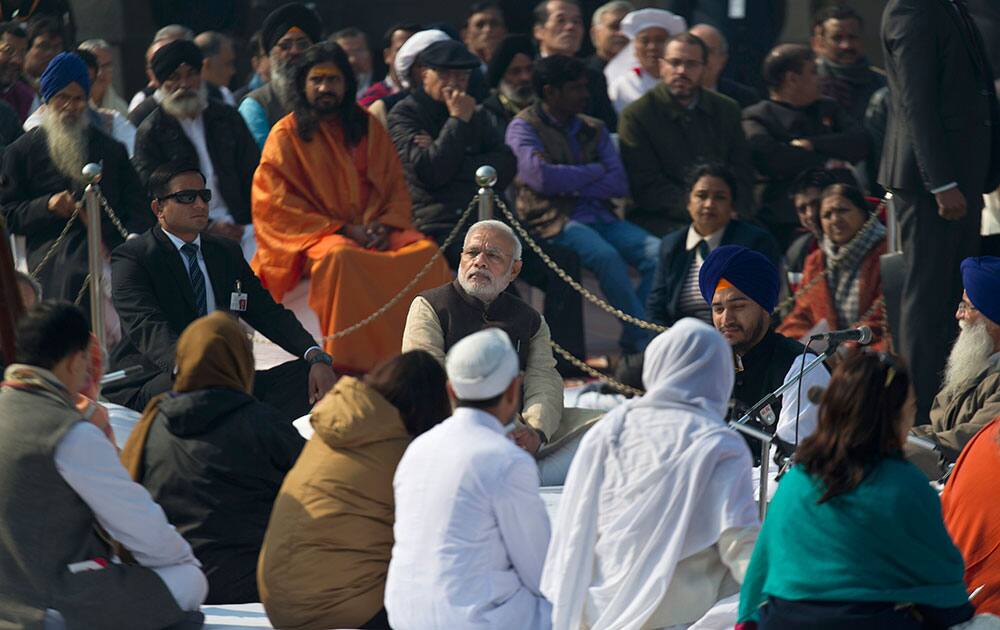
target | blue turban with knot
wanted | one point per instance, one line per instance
(981, 278)
(735, 266)
(65, 68)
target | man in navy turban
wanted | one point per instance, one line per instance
(43, 184)
(969, 397)
(742, 286)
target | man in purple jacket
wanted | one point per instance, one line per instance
(569, 177)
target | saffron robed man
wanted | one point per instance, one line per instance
(175, 273)
(330, 201)
(476, 300)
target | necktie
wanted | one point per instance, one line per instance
(197, 278)
(703, 249)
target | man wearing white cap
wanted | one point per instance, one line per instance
(471, 530)
(648, 30)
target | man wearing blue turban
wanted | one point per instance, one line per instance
(42, 181)
(969, 397)
(742, 286)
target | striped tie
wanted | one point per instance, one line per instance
(190, 251)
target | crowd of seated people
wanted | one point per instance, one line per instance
(741, 227)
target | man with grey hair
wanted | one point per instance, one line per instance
(218, 66)
(718, 56)
(188, 127)
(606, 32)
(969, 397)
(102, 93)
(476, 300)
(359, 55)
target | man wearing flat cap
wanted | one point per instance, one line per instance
(741, 286)
(471, 530)
(969, 397)
(285, 35)
(186, 126)
(41, 182)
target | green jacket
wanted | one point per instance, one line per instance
(661, 141)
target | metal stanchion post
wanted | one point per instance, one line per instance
(765, 469)
(486, 178)
(95, 261)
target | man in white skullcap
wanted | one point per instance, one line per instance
(636, 69)
(471, 530)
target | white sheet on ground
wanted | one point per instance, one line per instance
(235, 616)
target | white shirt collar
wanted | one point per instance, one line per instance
(713, 240)
(179, 243)
(479, 417)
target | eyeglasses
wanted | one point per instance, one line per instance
(296, 44)
(492, 255)
(188, 196)
(688, 64)
(965, 307)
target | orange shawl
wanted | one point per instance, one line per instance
(305, 191)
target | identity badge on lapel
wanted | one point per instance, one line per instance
(238, 299)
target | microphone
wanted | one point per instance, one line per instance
(863, 335)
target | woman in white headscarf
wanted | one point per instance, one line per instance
(657, 520)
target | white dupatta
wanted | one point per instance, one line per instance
(656, 481)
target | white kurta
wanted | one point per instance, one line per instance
(809, 415)
(471, 531)
(629, 86)
(655, 483)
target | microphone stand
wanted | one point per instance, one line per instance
(765, 438)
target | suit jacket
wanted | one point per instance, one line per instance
(160, 139)
(944, 121)
(676, 260)
(770, 126)
(154, 299)
(29, 178)
(661, 141)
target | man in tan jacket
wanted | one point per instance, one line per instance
(440, 317)
(970, 392)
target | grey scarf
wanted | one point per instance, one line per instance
(842, 265)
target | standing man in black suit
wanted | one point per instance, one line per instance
(941, 153)
(175, 273)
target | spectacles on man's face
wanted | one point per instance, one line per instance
(965, 307)
(188, 196)
(287, 45)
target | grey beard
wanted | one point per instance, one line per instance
(283, 81)
(520, 96)
(185, 105)
(67, 144)
(479, 291)
(969, 356)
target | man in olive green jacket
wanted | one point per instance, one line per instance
(673, 127)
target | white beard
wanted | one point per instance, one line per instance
(486, 292)
(185, 104)
(283, 80)
(67, 143)
(969, 356)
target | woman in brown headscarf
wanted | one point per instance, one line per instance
(213, 456)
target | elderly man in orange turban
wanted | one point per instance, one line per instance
(330, 201)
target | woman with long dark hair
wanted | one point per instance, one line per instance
(854, 537)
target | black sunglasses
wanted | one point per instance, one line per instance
(188, 196)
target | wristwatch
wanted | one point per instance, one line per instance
(319, 357)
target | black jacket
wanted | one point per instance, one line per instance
(160, 139)
(770, 126)
(944, 121)
(29, 178)
(214, 460)
(152, 293)
(441, 177)
(676, 260)
(742, 94)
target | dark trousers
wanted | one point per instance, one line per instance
(563, 309)
(285, 387)
(933, 250)
(781, 614)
